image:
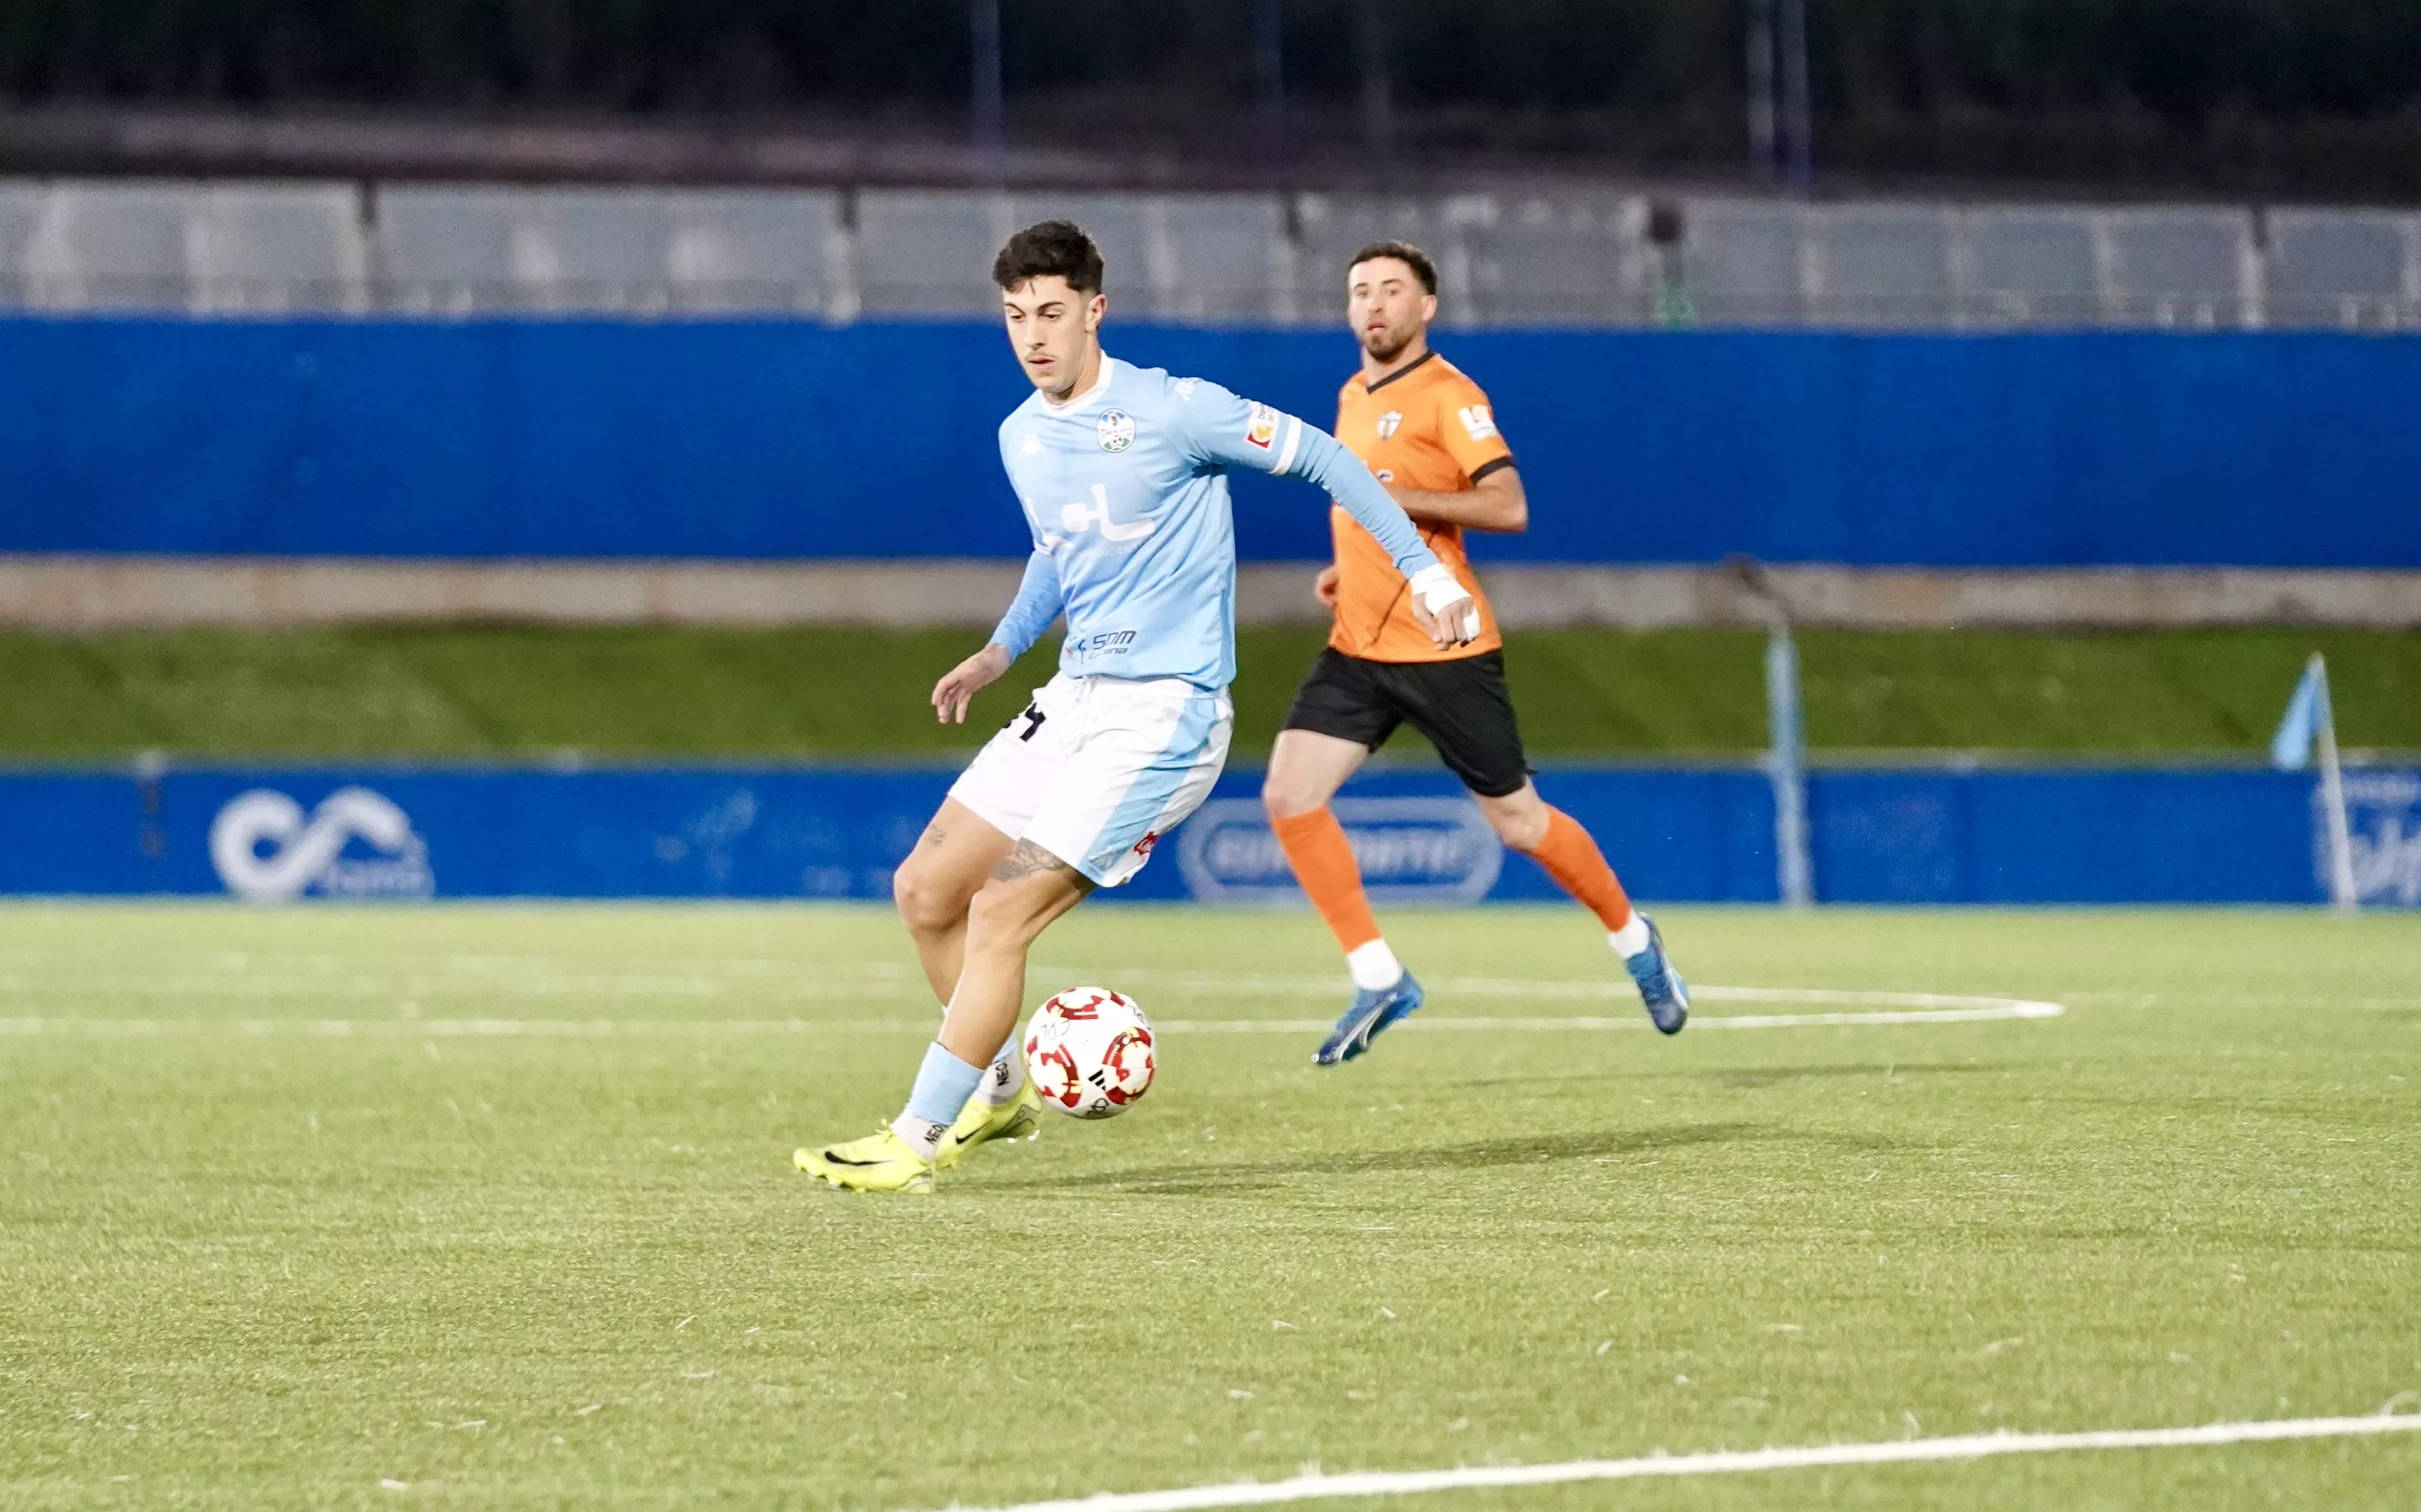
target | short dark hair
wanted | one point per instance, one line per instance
(1405, 253)
(1050, 249)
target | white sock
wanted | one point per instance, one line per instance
(1003, 1078)
(923, 1136)
(1375, 967)
(1631, 938)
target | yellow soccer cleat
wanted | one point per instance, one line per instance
(881, 1161)
(981, 1123)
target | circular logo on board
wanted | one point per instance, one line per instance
(1117, 430)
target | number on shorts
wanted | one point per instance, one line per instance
(1034, 718)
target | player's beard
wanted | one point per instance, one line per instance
(1386, 347)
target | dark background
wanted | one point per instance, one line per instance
(2316, 97)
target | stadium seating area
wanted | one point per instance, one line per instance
(1574, 259)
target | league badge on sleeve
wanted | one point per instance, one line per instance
(1478, 423)
(1261, 428)
(1116, 430)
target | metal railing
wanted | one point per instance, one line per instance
(1577, 260)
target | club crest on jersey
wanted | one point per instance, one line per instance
(1116, 430)
(1388, 422)
(1261, 428)
(1476, 422)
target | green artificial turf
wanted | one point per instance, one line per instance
(839, 693)
(495, 1203)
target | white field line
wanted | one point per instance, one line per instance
(1315, 1487)
(1981, 1014)
(1974, 1010)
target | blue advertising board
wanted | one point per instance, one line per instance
(1696, 834)
(787, 439)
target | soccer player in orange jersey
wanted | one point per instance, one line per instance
(1430, 435)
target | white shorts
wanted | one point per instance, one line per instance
(1096, 770)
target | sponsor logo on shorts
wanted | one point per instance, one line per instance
(1261, 428)
(1117, 430)
(1143, 846)
(1476, 422)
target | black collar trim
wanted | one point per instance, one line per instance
(1413, 366)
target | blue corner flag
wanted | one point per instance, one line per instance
(2290, 749)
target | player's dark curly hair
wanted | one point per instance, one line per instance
(1050, 249)
(1403, 252)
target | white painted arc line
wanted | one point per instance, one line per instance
(1315, 1487)
(1700, 1020)
(1277, 986)
(603, 1028)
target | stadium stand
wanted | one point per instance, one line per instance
(102, 246)
(1742, 262)
(925, 252)
(755, 250)
(1230, 258)
(2034, 267)
(272, 248)
(2180, 266)
(1579, 260)
(1885, 265)
(2343, 267)
(1587, 259)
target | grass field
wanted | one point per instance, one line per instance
(830, 692)
(282, 1224)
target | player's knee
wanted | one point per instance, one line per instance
(926, 901)
(1521, 826)
(1284, 797)
(999, 917)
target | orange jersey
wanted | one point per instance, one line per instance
(1426, 427)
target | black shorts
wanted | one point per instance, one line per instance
(1462, 705)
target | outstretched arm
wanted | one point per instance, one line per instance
(1444, 606)
(1227, 430)
(1039, 603)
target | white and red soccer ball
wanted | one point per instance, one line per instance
(1088, 1052)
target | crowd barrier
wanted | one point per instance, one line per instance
(1697, 835)
(754, 439)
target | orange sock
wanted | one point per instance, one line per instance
(1574, 860)
(1323, 863)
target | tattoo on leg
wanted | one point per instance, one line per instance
(934, 834)
(1029, 859)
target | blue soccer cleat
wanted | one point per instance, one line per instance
(1371, 1013)
(1660, 986)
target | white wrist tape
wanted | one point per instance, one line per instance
(1438, 591)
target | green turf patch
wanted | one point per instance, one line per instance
(840, 692)
(495, 1203)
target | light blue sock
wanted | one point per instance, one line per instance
(944, 1085)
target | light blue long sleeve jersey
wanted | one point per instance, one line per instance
(1125, 487)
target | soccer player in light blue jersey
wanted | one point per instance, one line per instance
(1123, 472)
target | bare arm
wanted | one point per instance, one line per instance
(1495, 503)
(956, 690)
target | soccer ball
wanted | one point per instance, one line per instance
(1088, 1052)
